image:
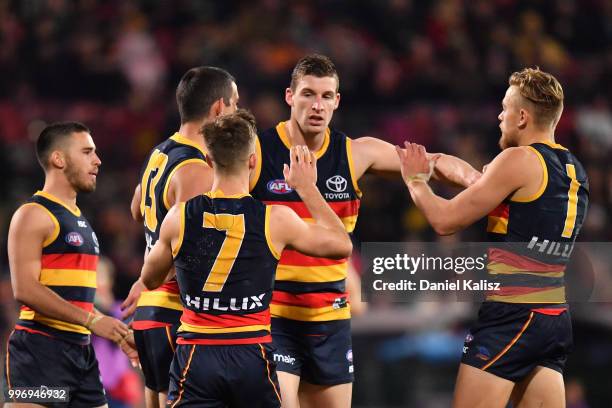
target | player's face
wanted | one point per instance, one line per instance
(82, 162)
(510, 118)
(233, 105)
(313, 103)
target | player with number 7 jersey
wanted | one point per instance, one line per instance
(225, 247)
(174, 171)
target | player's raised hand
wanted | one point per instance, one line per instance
(108, 327)
(129, 304)
(302, 169)
(414, 162)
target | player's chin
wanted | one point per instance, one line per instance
(315, 128)
(87, 187)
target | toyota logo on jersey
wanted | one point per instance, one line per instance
(336, 183)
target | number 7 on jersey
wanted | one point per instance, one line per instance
(234, 227)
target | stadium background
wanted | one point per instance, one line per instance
(433, 72)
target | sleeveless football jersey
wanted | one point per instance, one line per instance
(225, 265)
(68, 267)
(538, 232)
(162, 306)
(309, 288)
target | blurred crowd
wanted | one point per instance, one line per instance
(433, 72)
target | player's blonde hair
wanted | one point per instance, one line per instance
(543, 92)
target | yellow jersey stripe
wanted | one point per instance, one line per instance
(310, 314)
(556, 295)
(56, 228)
(160, 299)
(68, 277)
(216, 330)
(174, 170)
(349, 154)
(273, 250)
(542, 185)
(497, 225)
(56, 324)
(179, 242)
(327, 273)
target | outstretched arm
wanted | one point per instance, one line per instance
(375, 155)
(511, 171)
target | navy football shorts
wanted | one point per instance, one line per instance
(319, 353)
(223, 376)
(510, 340)
(35, 360)
(155, 352)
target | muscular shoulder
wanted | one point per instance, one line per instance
(516, 158)
(33, 219)
(189, 169)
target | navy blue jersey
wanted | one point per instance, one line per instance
(225, 265)
(68, 267)
(309, 288)
(538, 232)
(162, 306)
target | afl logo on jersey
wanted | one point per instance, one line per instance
(74, 239)
(336, 183)
(279, 186)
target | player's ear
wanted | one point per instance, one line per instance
(337, 101)
(289, 96)
(57, 159)
(252, 161)
(217, 108)
(524, 117)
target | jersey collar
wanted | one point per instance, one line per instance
(281, 129)
(178, 138)
(51, 197)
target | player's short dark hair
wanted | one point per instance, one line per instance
(230, 139)
(52, 136)
(199, 88)
(317, 65)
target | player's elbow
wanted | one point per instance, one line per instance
(23, 294)
(340, 248)
(150, 281)
(444, 228)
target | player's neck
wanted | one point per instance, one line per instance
(191, 131)
(297, 137)
(538, 136)
(60, 188)
(231, 184)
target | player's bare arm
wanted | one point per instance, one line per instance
(190, 180)
(31, 227)
(159, 261)
(510, 174)
(374, 155)
(135, 205)
(327, 237)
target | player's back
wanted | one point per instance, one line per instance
(538, 232)
(161, 307)
(225, 266)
